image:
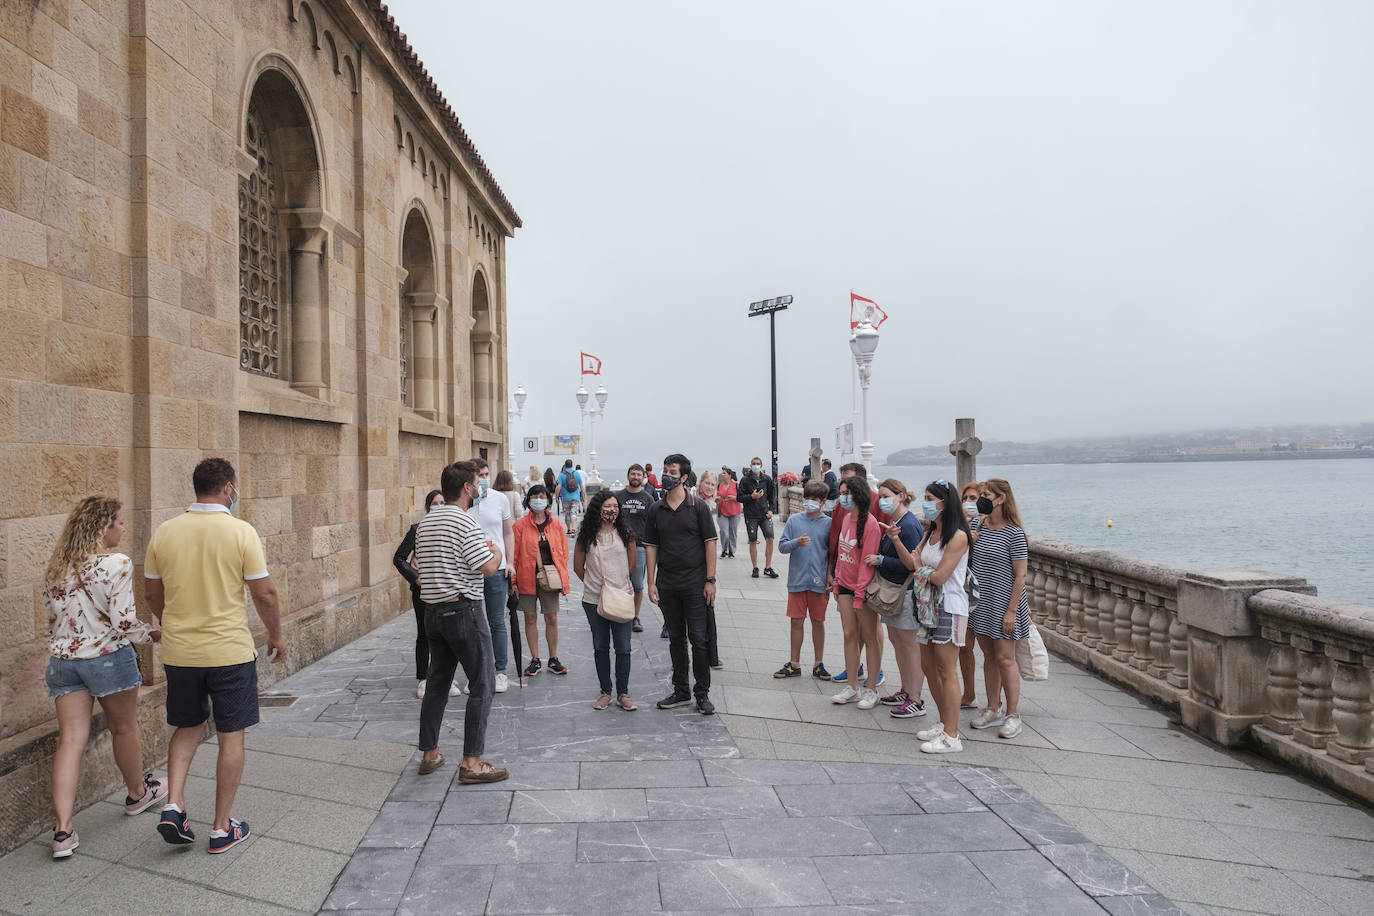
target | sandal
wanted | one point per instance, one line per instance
(484, 772)
(602, 701)
(429, 766)
(626, 703)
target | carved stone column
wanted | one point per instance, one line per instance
(424, 358)
(307, 310)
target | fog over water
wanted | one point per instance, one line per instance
(1081, 217)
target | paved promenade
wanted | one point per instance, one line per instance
(784, 803)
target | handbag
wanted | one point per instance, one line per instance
(547, 578)
(885, 596)
(1032, 657)
(616, 606)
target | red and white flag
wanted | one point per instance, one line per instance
(591, 365)
(861, 309)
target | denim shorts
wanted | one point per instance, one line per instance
(100, 677)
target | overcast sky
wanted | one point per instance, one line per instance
(1081, 217)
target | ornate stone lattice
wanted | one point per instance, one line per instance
(259, 288)
(405, 348)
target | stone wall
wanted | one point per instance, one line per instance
(131, 132)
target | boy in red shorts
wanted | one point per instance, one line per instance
(804, 540)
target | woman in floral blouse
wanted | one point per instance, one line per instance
(89, 595)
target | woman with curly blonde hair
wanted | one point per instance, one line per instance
(89, 595)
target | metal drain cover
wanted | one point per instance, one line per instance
(277, 699)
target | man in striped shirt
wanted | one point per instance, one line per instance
(455, 557)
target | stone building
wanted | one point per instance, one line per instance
(252, 229)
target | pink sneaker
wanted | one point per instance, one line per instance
(153, 790)
(900, 698)
(63, 843)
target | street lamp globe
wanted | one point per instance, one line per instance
(601, 395)
(582, 397)
(520, 396)
(863, 341)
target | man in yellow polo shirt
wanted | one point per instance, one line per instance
(194, 572)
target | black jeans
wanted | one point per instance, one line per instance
(688, 621)
(458, 635)
(421, 640)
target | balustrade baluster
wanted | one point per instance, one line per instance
(1140, 630)
(1352, 713)
(1106, 606)
(1178, 646)
(1314, 693)
(1092, 635)
(1037, 592)
(1281, 691)
(1123, 625)
(1076, 631)
(1062, 622)
(1162, 661)
(1051, 621)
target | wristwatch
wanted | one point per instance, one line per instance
(711, 579)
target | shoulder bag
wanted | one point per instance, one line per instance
(616, 606)
(885, 596)
(547, 578)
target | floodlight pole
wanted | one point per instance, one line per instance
(771, 307)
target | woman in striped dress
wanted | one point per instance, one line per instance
(1003, 612)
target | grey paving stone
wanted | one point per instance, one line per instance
(922, 879)
(401, 825)
(800, 836)
(446, 888)
(639, 774)
(287, 874)
(589, 887)
(938, 792)
(498, 844)
(464, 807)
(882, 772)
(1141, 905)
(527, 775)
(1037, 823)
(129, 892)
(741, 883)
(741, 772)
(651, 841)
(31, 883)
(411, 786)
(989, 785)
(1095, 871)
(974, 830)
(869, 798)
(385, 871)
(713, 802)
(1340, 857)
(1023, 873)
(573, 806)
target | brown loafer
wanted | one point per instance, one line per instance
(602, 701)
(484, 772)
(429, 766)
(626, 703)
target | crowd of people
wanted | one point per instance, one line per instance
(925, 573)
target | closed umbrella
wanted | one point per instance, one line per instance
(513, 605)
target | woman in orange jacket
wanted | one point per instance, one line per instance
(541, 574)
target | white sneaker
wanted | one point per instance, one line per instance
(942, 744)
(454, 690)
(847, 695)
(867, 698)
(988, 718)
(930, 734)
(1011, 727)
(502, 684)
(420, 690)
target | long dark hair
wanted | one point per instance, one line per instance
(591, 523)
(863, 499)
(952, 517)
(537, 490)
(548, 480)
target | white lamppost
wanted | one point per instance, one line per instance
(863, 343)
(596, 411)
(518, 412)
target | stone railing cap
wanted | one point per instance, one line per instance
(1350, 620)
(1164, 577)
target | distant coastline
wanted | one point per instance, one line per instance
(898, 459)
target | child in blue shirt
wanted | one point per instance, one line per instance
(805, 540)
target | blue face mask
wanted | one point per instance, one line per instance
(810, 506)
(538, 505)
(888, 505)
(234, 503)
(482, 484)
(930, 510)
(846, 501)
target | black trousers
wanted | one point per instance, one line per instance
(458, 635)
(689, 624)
(421, 640)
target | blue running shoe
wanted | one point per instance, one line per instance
(844, 675)
(175, 828)
(224, 840)
(881, 677)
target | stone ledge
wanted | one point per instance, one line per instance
(420, 426)
(265, 396)
(1112, 669)
(1350, 778)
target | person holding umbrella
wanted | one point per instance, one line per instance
(541, 576)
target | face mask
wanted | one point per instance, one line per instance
(234, 503)
(888, 505)
(538, 505)
(930, 510)
(810, 506)
(984, 506)
(670, 482)
(609, 515)
(970, 507)
(757, 469)
(482, 484)
(846, 501)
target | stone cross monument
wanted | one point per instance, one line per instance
(965, 449)
(815, 457)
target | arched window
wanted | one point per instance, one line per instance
(419, 309)
(259, 281)
(481, 352)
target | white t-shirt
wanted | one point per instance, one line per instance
(492, 512)
(956, 599)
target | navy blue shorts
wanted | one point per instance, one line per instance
(233, 690)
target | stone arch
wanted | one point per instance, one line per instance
(410, 146)
(352, 74)
(282, 239)
(420, 307)
(333, 50)
(400, 135)
(309, 17)
(424, 165)
(482, 327)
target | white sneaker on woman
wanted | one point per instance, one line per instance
(930, 734)
(988, 718)
(502, 683)
(942, 744)
(867, 698)
(847, 695)
(1011, 727)
(454, 690)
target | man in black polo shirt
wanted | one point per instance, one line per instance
(681, 558)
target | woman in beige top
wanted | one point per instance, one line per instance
(604, 556)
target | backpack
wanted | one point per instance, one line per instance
(570, 482)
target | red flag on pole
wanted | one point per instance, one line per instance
(590, 365)
(861, 309)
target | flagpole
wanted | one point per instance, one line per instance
(853, 368)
